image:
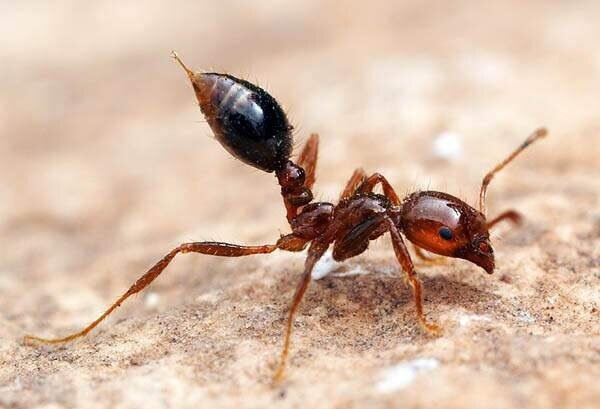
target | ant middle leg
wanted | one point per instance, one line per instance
(411, 276)
(289, 243)
(369, 184)
(511, 215)
(308, 159)
(357, 178)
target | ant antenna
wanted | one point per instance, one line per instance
(537, 134)
(189, 72)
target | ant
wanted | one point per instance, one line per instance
(252, 126)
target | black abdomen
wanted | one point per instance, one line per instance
(245, 119)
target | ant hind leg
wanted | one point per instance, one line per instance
(207, 247)
(308, 159)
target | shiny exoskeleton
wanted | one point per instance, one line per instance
(251, 126)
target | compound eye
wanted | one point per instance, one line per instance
(445, 233)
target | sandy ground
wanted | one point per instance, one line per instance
(105, 165)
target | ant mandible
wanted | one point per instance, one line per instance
(251, 126)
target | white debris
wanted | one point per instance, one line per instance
(526, 317)
(15, 386)
(466, 319)
(485, 68)
(324, 266)
(400, 376)
(355, 271)
(447, 145)
(327, 264)
(151, 300)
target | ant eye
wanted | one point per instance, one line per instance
(446, 233)
(484, 247)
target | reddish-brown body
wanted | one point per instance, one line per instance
(250, 124)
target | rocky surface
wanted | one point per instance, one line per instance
(106, 165)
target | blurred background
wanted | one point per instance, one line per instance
(106, 163)
(101, 132)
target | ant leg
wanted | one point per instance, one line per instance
(512, 215)
(404, 258)
(207, 247)
(308, 159)
(315, 252)
(291, 242)
(369, 184)
(357, 178)
(427, 259)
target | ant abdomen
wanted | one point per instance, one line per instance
(245, 119)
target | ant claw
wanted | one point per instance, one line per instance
(277, 378)
(431, 328)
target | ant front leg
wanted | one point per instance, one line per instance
(411, 275)
(511, 215)
(315, 251)
(290, 243)
(427, 259)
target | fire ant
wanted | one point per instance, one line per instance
(251, 126)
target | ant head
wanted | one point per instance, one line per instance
(476, 247)
(445, 225)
